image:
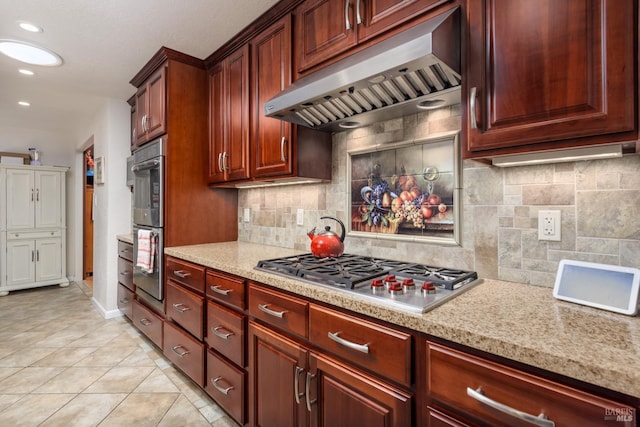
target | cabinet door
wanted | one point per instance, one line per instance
(142, 110)
(217, 123)
(347, 398)
(377, 16)
(21, 267)
(20, 199)
(49, 207)
(155, 123)
(548, 71)
(236, 158)
(324, 29)
(271, 139)
(48, 259)
(276, 364)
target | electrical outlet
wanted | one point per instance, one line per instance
(549, 225)
(246, 215)
(300, 217)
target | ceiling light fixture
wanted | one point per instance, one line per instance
(26, 72)
(28, 26)
(29, 53)
(24, 103)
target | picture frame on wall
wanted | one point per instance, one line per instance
(99, 170)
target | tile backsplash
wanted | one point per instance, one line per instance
(599, 203)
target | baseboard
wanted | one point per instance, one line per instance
(107, 314)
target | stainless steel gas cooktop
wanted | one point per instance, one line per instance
(404, 285)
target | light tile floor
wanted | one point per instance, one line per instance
(62, 364)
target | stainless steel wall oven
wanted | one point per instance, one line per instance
(148, 218)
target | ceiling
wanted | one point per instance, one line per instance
(103, 44)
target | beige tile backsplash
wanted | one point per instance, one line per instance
(599, 203)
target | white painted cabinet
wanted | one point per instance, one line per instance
(32, 227)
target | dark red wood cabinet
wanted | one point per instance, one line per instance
(550, 74)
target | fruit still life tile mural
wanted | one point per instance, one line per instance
(408, 190)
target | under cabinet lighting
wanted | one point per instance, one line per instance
(559, 156)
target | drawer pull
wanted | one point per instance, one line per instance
(225, 391)
(265, 308)
(219, 290)
(181, 274)
(220, 334)
(124, 301)
(124, 251)
(145, 322)
(472, 107)
(540, 420)
(179, 307)
(296, 387)
(363, 348)
(307, 389)
(175, 350)
(125, 273)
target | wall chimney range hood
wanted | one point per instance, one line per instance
(416, 69)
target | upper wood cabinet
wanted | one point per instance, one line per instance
(229, 118)
(550, 74)
(327, 28)
(271, 139)
(151, 107)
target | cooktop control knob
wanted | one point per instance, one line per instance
(428, 288)
(377, 286)
(395, 288)
(408, 285)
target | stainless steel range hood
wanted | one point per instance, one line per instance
(418, 68)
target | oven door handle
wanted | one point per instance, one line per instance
(150, 164)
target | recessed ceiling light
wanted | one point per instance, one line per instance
(24, 103)
(28, 26)
(26, 72)
(29, 53)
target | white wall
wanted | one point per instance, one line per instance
(112, 200)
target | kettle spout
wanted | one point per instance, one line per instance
(312, 233)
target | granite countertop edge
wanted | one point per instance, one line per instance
(520, 322)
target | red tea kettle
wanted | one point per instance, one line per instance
(327, 244)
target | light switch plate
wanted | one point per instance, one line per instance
(300, 217)
(246, 215)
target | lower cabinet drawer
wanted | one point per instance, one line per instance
(489, 392)
(185, 308)
(147, 322)
(226, 332)
(383, 350)
(125, 300)
(226, 289)
(184, 351)
(226, 385)
(125, 272)
(280, 310)
(440, 419)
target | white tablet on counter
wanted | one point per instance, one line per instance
(609, 287)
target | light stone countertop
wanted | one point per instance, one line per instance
(125, 238)
(520, 322)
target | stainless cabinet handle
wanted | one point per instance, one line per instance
(125, 273)
(37, 255)
(220, 163)
(307, 388)
(32, 190)
(225, 166)
(219, 290)
(282, 156)
(347, 22)
(33, 256)
(540, 420)
(181, 274)
(37, 194)
(133, 134)
(124, 301)
(296, 387)
(265, 308)
(142, 122)
(175, 350)
(124, 251)
(145, 322)
(181, 308)
(358, 17)
(472, 107)
(220, 334)
(225, 391)
(363, 348)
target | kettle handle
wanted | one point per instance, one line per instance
(342, 233)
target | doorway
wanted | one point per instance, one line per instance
(87, 217)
